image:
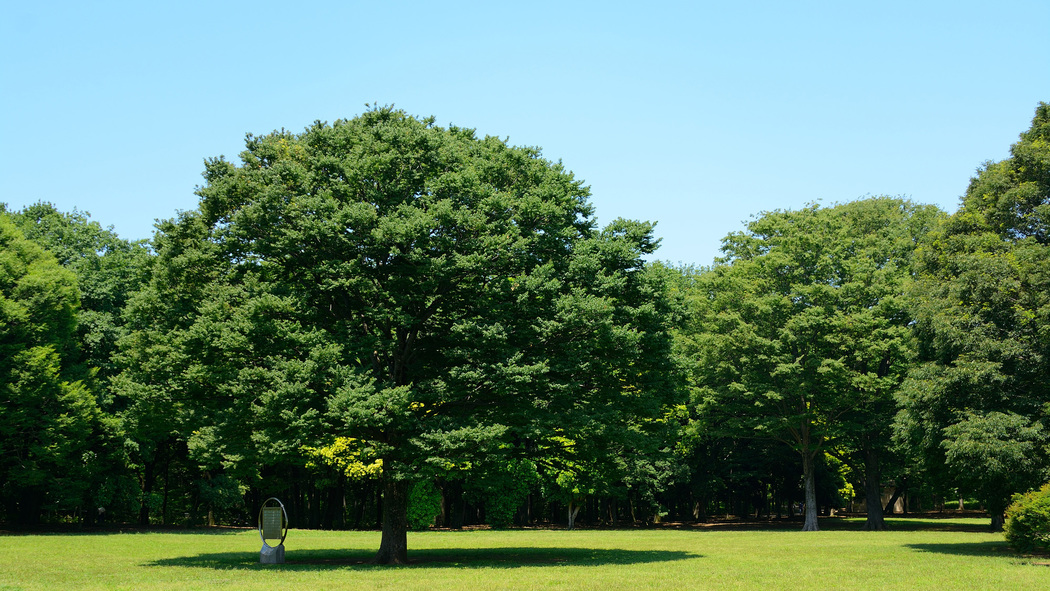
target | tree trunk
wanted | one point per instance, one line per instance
(453, 504)
(574, 510)
(147, 493)
(873, 491)
(379, 505)
(164, 503)
(897, 492)
(313, 500)
(362, 496)
(333, 508)
(810, 477)
(997, 512)
(393, 547)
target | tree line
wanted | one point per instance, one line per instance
(388, 323)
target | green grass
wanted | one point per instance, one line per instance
(917, 554)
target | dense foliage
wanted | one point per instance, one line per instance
(972, 410)
(1027, 526)
(444, 300)
(388, 323)
(800, 333)
(49, 417)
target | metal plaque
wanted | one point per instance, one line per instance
(272, 523)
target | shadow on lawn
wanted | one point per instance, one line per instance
(75, 530)
(927, 524)
(430, 558)
(966, 548)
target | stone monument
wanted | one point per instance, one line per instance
(273, 525)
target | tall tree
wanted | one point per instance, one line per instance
(800, 333)
(973, 413)
(47, 415)
(108, 270)
(455, 288)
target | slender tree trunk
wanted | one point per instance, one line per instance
(873, 491)
(777, 501)
(452, 504)
(897, 492)
(393, 547)
(164, 503)
(379, 505)
(810, 477)
(332, 508)
(444, 516)
(360, 504)
(313, 499)
(147, 492)
(574, 510)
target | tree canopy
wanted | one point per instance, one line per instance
(434, 296)
(47, 415)
(386, 322)
(972, 412)
(801, 332)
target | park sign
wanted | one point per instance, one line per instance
(273, 525)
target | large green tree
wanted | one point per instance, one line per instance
(47, 415)
(108, 270)
(972, 414)
(450, 295)
(801, 334)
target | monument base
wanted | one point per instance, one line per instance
(271, 554)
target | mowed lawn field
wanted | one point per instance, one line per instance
(916, 554)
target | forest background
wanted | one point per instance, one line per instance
(387, 322)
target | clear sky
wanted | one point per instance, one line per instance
(695, 115)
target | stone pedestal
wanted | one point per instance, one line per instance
(271, 554)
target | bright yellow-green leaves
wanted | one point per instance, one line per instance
(347, 456)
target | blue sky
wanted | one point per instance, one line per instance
(694, 115)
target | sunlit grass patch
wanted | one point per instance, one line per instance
(916, 554)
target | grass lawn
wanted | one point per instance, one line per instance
(917, 554)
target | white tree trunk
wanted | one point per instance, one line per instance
(574, 509)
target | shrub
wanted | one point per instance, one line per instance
(503, 502)
(1028, 521)
(424, 505)
(502, 485)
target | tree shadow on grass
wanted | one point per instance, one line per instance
(51, 530)
(433, 558)
(924, 524)
(997, 549)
